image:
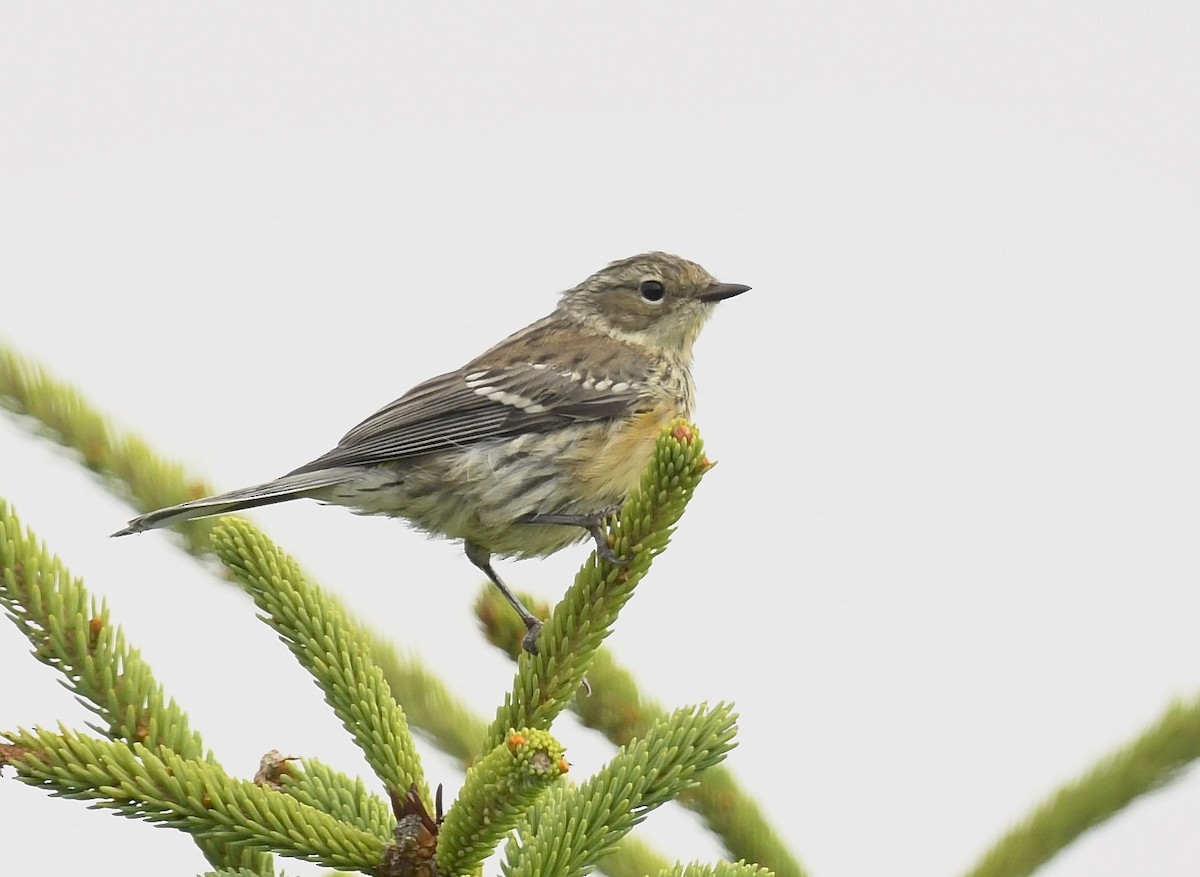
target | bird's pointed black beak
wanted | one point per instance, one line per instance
(722, 291)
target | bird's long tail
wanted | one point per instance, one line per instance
(294, 486)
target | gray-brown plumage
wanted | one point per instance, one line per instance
(558, 420)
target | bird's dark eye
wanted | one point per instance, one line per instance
(652, 290)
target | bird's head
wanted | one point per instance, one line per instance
(654, 299)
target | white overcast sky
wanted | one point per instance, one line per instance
(949, 556)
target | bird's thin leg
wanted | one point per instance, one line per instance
(593, 523)
(482, 558)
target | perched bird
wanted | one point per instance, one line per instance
(526, 448)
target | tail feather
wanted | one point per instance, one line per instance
(280, 490)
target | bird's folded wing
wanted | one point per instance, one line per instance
(464, 407)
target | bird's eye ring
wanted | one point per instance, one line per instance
(652, 290)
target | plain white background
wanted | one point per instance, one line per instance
(949, 556)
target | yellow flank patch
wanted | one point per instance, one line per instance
(610, 463)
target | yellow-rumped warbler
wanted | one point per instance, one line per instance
(526, 448)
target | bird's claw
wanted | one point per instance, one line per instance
(605, 551)
(529, 642)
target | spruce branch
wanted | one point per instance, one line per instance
(318, 785)
(414, 842)
(456, 731)
(329, 646)
(125, 463)
(631, 858)
(132, 471)
(618, 710)
(546, 682)
(432, 710)
(568, 829)
(195, 796)
(71, 632)
(720, 869)
(1147, 763)
(497, 791)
